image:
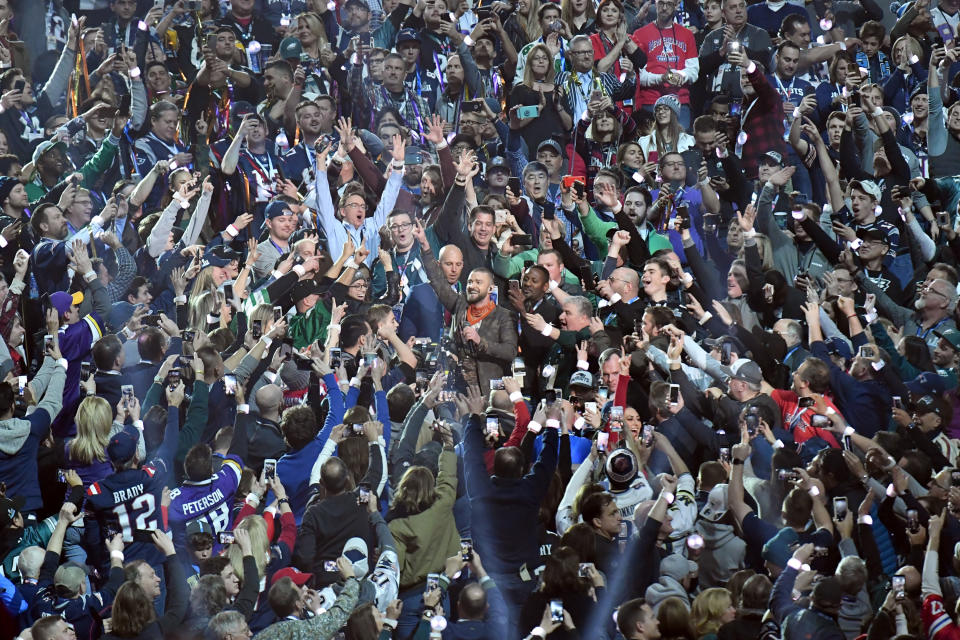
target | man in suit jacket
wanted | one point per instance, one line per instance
(109, 358)
(531, 297)
(792, 334)
(485, 335)
(152, 345)
(423, 314)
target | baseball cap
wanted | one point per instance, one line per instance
(47, 145)
(299, 578)
(930, 404)
(498, 163)
(356, 552)
(716, 505)
(774, 156)
(581, 379)
(838, 346)
(123, 444)
(9, 508)
(276, 209)
(867, 186)
(747, 371)
(290, 48)
(408, 35)
(552, 145)
(304, 288)
(950, 335)
(220, 256)
(62, 301)
(199, 526)
(873, 234)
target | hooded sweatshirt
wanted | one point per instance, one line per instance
(723, 553)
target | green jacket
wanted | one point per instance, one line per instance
(425, 540)
(508, 267)
(95, 167)
(597, 230)
(307, 328)
(321, 627)
(37, 535)
(195, 421)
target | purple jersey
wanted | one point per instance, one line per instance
(208, 499)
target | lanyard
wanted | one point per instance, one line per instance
(927, 331)
(266, 173)
(786, 93)
(172, 148)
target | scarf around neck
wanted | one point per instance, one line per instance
(476, 313)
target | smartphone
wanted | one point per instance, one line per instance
(549, 210)
(521, 240)
(336, 358)
(897, 402)
(433, 581)
(61, 476)
(726, 352)
(674, 394)
(899, 586)
(735, 109)
(603, 439)
(256, 329)
(514, 184)
(584, 570)
(466, 549)
(913, 520)
(173, 378)
(270, 468)
(733, 45)
(787, 474)
(616, 418)
(868, 352)
(946, 32)
(22, 384)
(369, 357)
(330, 565)
(550, 396)
(753, 423)
(277, 314)
(821, 552)
(603, 394)
(556, 611)
(188, 335)
(363, 494)
(19, 85)
(152, 320)
(839, 508)
(471, 106)
(85, 370)
(725, 454)
(820, 421)
(591, 406)
(493, 427)
(143, 535)
(647, 436)
(496, 385)
(519, 367)
(126, 391)
(943, 219)
(411, 155)
(303, 362)
(230, 384)
(806, 403)
(528, 112)
(47, 342)
(226, 537)
(653, 156)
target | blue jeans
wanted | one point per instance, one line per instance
(515, 593)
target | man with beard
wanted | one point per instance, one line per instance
(484, 334)
(313, 118)
(277, 83)
(50, 163)
(531, 297)
(423, 315)
(478, 247)
(281, 221)
(52, 256)
(14, 225)
(356, 24)
(495, 78)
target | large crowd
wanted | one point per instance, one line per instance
(473, 319)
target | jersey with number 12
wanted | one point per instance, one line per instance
(130, 501)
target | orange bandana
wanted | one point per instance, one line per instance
(477, 313)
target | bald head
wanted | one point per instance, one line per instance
(501, 400)
(29, 563)
(451, 262)
(269, 399)
(473, 602)
(626, 282)
(335, 476)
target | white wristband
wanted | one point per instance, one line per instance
(547, 331)
(243, 408)
(830, 411)
(534, 426)
(793, 563)
(669, 497)
(116, 554)
(553, 285)
(442, 144)
(355, 382)
(843, 45)
(706, 317)
(387, 622)
(814, 491)
(267, 341)
(866, 519)
(96, 221)
(299, 269)
(878, 111)
(138, 424)
(180, 300)
(778, 444)
(232, 231)
(253, 499)
(332, 326)
(553, 423)
(63, 363)
(350, 264)
(135, 72)
(516, 397)
(583, 364)
(3, 242)
(277, 275)
(849, 431)
(615, 298)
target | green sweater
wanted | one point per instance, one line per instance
(307, 328)
(91, 170)
(597, 230)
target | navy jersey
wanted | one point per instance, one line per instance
(209, 499)
(126, 501)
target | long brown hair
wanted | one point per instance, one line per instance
(561, 574)
(132, 611)
(416, 491)
(362, 625)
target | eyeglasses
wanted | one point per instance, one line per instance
(356, 205)
(359, 285)
(585, 52)
(402, 226)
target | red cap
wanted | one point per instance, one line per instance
(299, 577)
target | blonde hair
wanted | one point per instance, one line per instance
(531, 24)
(200, 306)
(264, 313)
(708, 608)
(94, 418)
(912, 46)
(764, 248)
(256, 526)
(528, 79)
(315, 24)
(417, 490)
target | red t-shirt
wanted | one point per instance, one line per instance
(796, 421)
(666, 49)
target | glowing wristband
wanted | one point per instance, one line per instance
(553, 423)
(468, 41)
(232, 231)
(534, 426)
(516, 397)
(814, 491)
(3, 242)
(615, 298)
(583, 364)
(751, 67)
(849, 431)
(547, 331)
(669, 497)
(116, 554)
(243, 408)
(866, 519)
(793, 563)
(138, 424)
(135, 72)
